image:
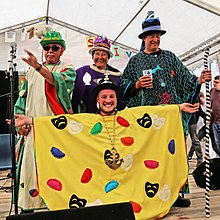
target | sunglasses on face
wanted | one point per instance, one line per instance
(53, 47)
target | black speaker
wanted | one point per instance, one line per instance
(5, 98)
(117, 211)
(199, 174)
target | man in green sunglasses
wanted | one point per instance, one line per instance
(45, 92)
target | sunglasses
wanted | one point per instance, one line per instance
(54, 48)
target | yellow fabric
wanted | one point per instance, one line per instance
(70, 159)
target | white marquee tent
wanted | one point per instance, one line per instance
(192, 26)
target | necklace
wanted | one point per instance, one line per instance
(111, 138)
(112, 157)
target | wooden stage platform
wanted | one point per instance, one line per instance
(196, 211)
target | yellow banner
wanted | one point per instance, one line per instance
(78, 167)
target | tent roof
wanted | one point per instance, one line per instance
(189, 28)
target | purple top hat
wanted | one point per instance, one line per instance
(101, 42)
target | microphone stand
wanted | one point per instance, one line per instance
(12, 68)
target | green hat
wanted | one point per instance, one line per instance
(52, 37)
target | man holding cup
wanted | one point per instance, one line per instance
(155, 76)
(149, 83)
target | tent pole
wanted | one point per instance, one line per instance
(82, 31)
(130, 21)
(47, 15)
(200, 59)
(205, 6)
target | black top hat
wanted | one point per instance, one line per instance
(151, 25)
(106, 83)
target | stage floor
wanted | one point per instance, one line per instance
(196, 211)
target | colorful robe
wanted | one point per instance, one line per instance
(172, 81)
(33, 102)
(77, 166)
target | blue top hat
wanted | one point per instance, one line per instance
(151, 25)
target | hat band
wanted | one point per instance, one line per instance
(152, 28)
(102, 45)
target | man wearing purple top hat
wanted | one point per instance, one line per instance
(155, 76)
(88, 77)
